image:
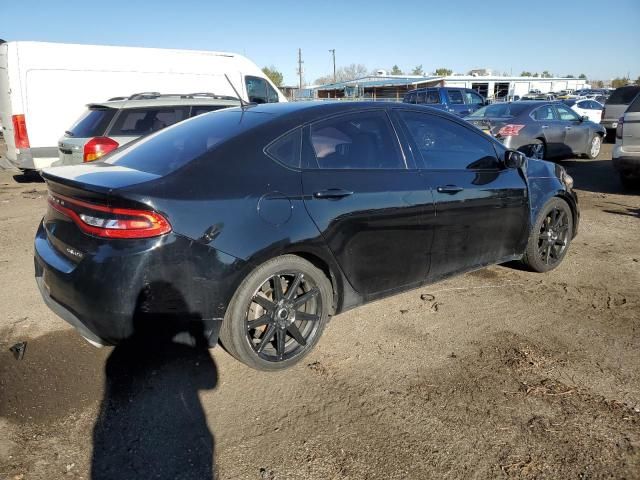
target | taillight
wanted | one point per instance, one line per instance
(108, 222)
(20, 131)
(620, 128)
(510, 130)
(98, 147)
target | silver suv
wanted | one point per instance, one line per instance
(118, 121)
(616, 105)
(626, 153)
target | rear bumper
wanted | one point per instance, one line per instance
(625, 161)
(157, 284)
(35, 158)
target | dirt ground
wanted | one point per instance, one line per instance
(500, 373)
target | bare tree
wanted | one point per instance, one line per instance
(345, 74)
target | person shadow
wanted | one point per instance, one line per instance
(151, 423)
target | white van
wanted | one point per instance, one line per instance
(44, 87)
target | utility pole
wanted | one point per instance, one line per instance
(300, 62)
(333, 53)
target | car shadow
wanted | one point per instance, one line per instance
(29, 177)
(597, 176)
(151, 423)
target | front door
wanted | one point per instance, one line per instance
(482, 211)
(576, 136)
(373, 211)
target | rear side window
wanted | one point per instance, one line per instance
(446, 145)
(287, 148)
(260, 91)
(411, 97)
(166, 151)
(544, 113)
(200, 109)
(473, 98)
(356, 141)
(93, 123)
(623, 95)
(432, 97)
(455, 97)
(142, 121)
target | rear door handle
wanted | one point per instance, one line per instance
(332, 193)
(545, 126)
(450, 189)
(567, 128)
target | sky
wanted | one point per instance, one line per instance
(599, 38)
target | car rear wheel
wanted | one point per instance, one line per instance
(594, 146)
(537, 150)
(278, 313)
(550, 236)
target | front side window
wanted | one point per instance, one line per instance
(432, 97)
(455, 97)
(411, 97)
(259, 90)
(142, 121)
(446, 145)
(473, 98)
(544, 113)
(567, 114)
(356, 141)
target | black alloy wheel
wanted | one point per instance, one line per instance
(550, 237)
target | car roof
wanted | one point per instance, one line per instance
(167, 101)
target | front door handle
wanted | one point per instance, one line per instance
(332, 193)
(545, 126)
(567, 128)
(450, 189)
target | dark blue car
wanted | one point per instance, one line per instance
(459, 101)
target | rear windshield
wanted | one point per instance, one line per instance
(167, 150)
(93, 123)
(500, 110)
(635, 106)
(623, 95)
(142, 121)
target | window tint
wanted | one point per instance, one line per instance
(166, 151)
(473, 98)
(356, 141)
(142, 121)
(544, 113)
(260, 91)
(567, 114)
(200, 109)
(286, 149)
(93, 123)
(455, 97)
(623, 95)
(432, 97)
(444, 144)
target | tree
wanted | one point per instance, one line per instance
(274, 75)
(417, 70)
(638, 81)
(582, 76)
(570, 76)
(344, 74)
(546, 74)
(526, 74)
(395, 70)
(619, 82)
(535, 75)
(598, 84)
(443, 72)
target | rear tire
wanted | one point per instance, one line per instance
(550, 236)
(271, 329)
(595, 145)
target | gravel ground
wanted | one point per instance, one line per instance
(495, 374)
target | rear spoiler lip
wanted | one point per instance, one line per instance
(75, 184)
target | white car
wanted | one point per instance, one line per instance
(586, 107)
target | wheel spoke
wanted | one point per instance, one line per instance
(264, 302)
(304, 298)
(307, 317)
(280, 338)
(258, 322)
(267, 337)
(293, 287)
(295, 333)
(277, 288)
(548, 254)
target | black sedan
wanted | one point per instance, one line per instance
(255, 225)
(540, 129)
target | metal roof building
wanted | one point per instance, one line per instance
(388, 87)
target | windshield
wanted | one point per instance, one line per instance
(623, 95)
(500, 110)
(173, 147)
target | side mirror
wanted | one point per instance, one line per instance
(584, 118)
(514, 159)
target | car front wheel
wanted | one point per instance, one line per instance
(550, 237)
(278, 313)
(593, 150)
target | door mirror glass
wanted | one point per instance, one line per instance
(584, 118)
(514, 159)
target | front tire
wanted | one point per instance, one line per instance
(595, 145)
(278, 313)
(550, 236)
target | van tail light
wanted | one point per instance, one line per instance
(510, 130)
(20, 131)
(620, 128)
(109, 222)
(98, 147)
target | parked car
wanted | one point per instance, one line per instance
(540, 129)
(616, 105)
(44, 87)
(259, 223)
(106, 126)
(459, 101)
(586, 108)
(626, 153)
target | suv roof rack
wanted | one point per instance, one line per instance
(153, 95)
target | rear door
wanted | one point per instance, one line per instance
(552, 129)
(373, 209)
(455, 101)
(631, 127)
(482, 210)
